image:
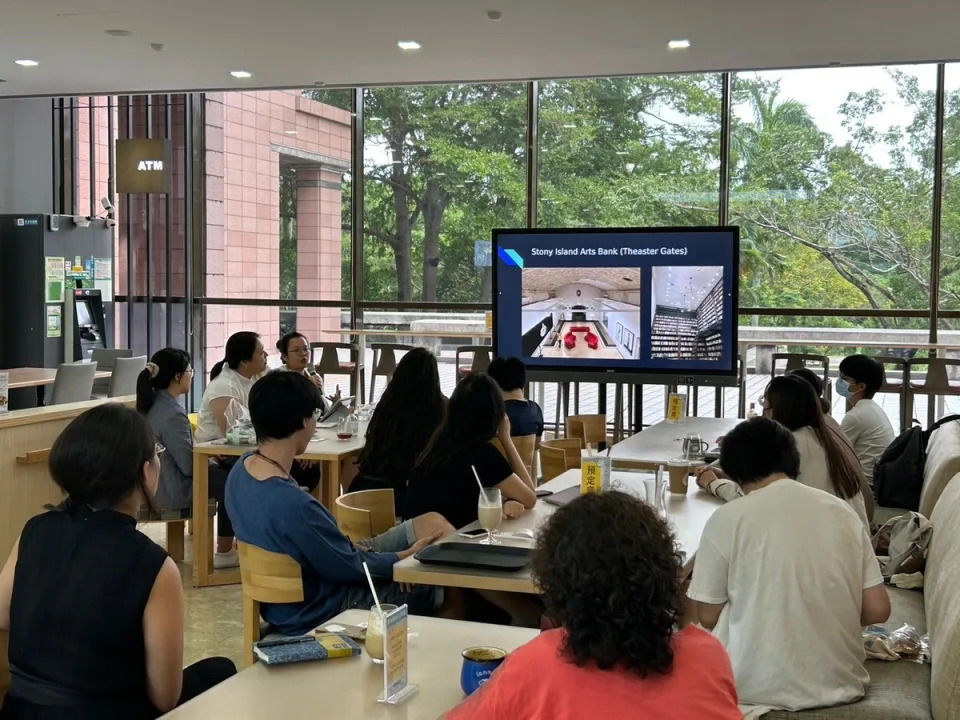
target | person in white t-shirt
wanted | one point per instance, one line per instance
(786, 578)
(866, 425)
(826, 462)
(245, 360)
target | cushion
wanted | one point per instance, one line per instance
(941, 593)
(943, 462)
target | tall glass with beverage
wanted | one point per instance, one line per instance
(490, 513)
(375, 632)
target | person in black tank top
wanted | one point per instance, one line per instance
(85, 595)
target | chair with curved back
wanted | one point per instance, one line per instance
(385, 361)
(590, 429)
(552, 462)
(479, 363)
(936, 382)
(73, 383)
(331, 364)
(527, 448)
(267, 577)
(123, 381)
(105, 358)
(572, 449)
(364, 514)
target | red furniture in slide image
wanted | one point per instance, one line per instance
(570, 340)
(592, 340)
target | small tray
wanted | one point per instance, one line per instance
(564, 496)
(472, 555)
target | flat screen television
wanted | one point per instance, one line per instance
(655, 305)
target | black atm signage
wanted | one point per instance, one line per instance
(143, 166)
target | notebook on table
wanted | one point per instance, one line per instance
(319, 646)
(563, 496)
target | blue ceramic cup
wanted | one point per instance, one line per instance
(478, 665)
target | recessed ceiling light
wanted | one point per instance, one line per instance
(679, 44)
(118, 33)
(408, 45)
(290, 132)
(26, 63)
(240, 74)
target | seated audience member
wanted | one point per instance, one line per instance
(824, 465)
(443, 480)
(865, 424)
(608, 567)
(295, 354)
(271, 512)
(244, 361)
(165, 378)
(93, 606)
(833, 426)
(786, 578)
(406, 416)
(526, 417)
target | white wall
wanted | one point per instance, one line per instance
(26, 155)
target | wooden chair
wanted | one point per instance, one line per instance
(267, 577)
(479, 363)
(527, 448)
(364, 514)
(385, 361)
(896, 387)
(331, 364)
(553, 462)
(591, 429)
(571, 449)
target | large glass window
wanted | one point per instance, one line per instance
(831, 183)
(950, 215)
(630, 151)
(443, 165)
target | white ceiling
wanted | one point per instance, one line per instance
(550, 279)
(684, 287)
(296, 43)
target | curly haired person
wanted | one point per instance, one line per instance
(609, 570)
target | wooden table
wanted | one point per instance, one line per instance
(347, 689)
(27, 377)
(327, 448)
(687, 515)
(660, 443)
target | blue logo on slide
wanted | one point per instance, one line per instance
(510, 257)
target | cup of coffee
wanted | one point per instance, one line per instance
(478, 665)
(679, 472)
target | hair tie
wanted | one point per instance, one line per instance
(153, 369)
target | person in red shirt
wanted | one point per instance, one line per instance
(609, 570)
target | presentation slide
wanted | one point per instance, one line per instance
(644, 300)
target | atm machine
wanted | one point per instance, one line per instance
(56, 292)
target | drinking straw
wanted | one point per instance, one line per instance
(376, 600)
(479, 484)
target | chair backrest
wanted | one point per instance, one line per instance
(364, 514)
(123, 381)
(527, 448)
(900, 366)
(267, 577)
(937, 379)
(553, 461)
(480, 356)
(386, 356)
(794, 361)
(105, 359)
(329, 355)
(572, 450)
(74, 383)
(591, 429)
(941, 580)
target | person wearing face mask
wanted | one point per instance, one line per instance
(866, 425)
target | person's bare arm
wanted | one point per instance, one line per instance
(218, 408)
(708, 614)
(876, 606)
(515, 488)
(6, 586)
(163, 638)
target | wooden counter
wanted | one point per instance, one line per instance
(25, 485)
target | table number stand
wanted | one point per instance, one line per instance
(396, 686)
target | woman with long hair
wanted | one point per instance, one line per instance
(93, 606)
(161, 383)
(408, 413)
(244, 361)
(609, 572)
(792, 402)
(443, 480)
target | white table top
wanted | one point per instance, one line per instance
(326, 446)
(687, 515)
(660, 443)
(347, 688)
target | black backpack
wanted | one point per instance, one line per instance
(898, 474)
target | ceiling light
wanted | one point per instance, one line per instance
(240, 74)
(679, 44)
(290, 132)
(26, 63)
(408, 45)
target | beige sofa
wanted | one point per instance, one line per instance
(906, 690)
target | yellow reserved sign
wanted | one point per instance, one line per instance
(594, 475)
(489, 320)
(676, 407)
